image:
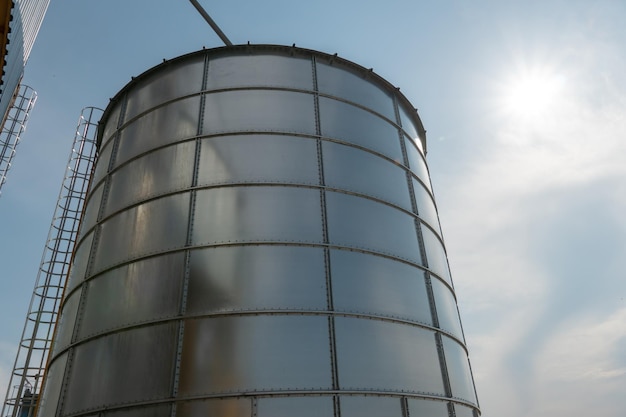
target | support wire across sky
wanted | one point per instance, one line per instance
(26, 380)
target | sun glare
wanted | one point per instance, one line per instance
(532, 95)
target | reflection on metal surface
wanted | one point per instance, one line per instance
(229, 407)
(258, 240)
(157, 125)
(259, 111)
(360, 223)
(132, 233)
(338, 82)
(425, 206)
(54, 384)
(358, 406)
(417, 163)
(447, 312)
(426, 407)
(262, 70)
(462, 411)
(182, 79)
(258, 159)
(347, 123)
(295, 406)
(436, 255)
(374, 353)
(141, 360)
(459, 371)
(378, 286)
(254, 353)
(149, 178)
(252, 278)
(118, 299)
(352, 169)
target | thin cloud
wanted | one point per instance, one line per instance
(535, 235)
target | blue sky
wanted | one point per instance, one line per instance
(525, 108)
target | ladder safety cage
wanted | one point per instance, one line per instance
(26, 380)
(14, 125)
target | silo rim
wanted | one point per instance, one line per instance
(332, 59)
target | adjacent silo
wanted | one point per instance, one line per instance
(260, 239)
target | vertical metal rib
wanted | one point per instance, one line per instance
(26, 379)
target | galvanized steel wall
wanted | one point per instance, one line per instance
(260, 239)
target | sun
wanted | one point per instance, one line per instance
(532, 95)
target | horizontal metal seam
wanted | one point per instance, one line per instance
(274, 394)
(253, 313)
(259, 88)
(285, 185)
(261, 243)
(271, 133)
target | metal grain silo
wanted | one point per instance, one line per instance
(260, 239)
